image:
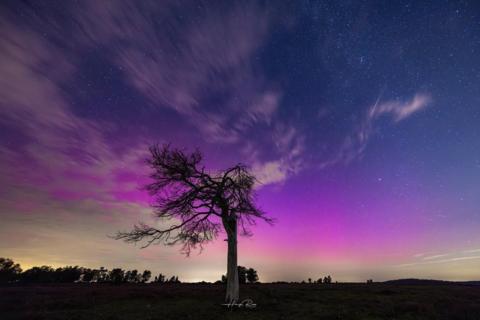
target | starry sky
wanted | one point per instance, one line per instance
(361, 119)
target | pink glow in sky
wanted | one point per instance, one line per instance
(366, 141)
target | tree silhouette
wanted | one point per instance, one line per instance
(252, 276)
(132, 276)
(117, 275)
(173, 279)
(201, 202)
(242, 274)
(160, 278)
(146, 275)
(89, 275)
(103, 274)
(9, 270)
(41, 274)
(67, 274)
(126, 276)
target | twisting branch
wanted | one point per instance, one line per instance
(199, 201)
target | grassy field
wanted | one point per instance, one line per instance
(275, 301)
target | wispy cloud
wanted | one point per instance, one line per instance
(355, 144)
(205, 68)
(442, 258)
(399, 110)
(438, 261)
(212, 56)
(51, 153)
(434, 257)
(472, 251)
(270, 172)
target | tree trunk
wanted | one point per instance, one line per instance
(232, 272)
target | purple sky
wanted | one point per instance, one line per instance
(361, 120)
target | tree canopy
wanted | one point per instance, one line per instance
(199, 201)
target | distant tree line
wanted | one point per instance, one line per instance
(327, 279)
(163, 279)
(12, 272)
(116, 275)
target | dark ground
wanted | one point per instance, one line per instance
(275, 301)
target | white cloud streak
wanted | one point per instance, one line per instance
(213, 55)
(400, 110)
(32, 102)
(434, 257)
(444, 258)
(183, 67)
(354, 144)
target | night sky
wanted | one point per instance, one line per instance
(360, 118)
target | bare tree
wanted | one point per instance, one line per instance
(252, 275)
(202, 203)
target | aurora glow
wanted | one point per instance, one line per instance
(362, 120)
